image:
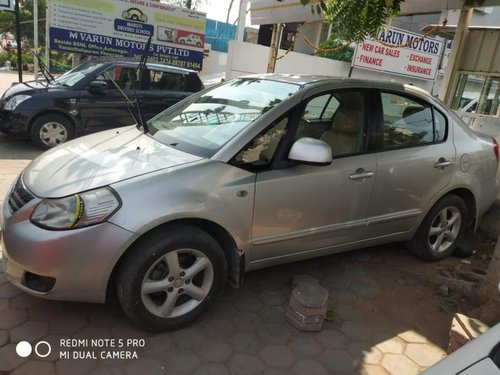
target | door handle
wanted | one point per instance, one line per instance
(360, 174)
(442, 163)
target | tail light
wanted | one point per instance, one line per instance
(495, 148)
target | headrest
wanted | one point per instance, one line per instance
(348, 121)
(410, 111)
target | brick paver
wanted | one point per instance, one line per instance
(424, 355)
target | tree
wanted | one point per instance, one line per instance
(355, 19)
(7, 21)
(330, 48)
(189, 4)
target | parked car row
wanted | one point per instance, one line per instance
(255, 172)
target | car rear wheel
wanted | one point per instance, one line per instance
(441, 230)
(169, 278)
(51, 130)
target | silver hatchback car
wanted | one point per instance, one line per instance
(255, 172)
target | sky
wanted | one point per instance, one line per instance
(217, 10)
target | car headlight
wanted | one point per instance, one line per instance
(13, 102)
(76, 211)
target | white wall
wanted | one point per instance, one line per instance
(247, 58)
(214, 63)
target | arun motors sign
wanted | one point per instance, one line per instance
(400, 52)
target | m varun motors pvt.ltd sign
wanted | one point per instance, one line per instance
(400, 52)
(122, 28)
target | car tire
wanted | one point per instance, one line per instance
(171, 277)
(442, 229)
(51, 130)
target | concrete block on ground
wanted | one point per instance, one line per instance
(310, 295)
(307, 306)
(303, 279)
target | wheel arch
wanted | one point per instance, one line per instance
(235, 258)
(462, 192)
(52, 111)
(470, 201)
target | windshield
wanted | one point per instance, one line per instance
(204, 124)
(78, 73)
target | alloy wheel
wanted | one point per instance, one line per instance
(444, 229)
(177, 283)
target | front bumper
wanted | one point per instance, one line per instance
(80, 260)
(14, 123)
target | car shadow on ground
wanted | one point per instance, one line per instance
(13, 148)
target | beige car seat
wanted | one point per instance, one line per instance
(345, 135)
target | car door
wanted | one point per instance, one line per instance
(303, 209)
(414, 163)
(107, 108)
(161, 90)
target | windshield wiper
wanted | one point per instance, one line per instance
(142, 71)
(131, 106)
(138, 116)
(43, 69)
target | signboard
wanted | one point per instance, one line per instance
(8, 5)
(418, 59)
(122, 28)
(265, 12)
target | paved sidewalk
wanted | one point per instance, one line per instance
(384, 323)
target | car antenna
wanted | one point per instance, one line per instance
(43, 68)
(142, 72)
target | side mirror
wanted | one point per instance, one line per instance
(310, 150)
(97, 87)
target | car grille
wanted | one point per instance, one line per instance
(19, 196)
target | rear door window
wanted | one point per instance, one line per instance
(409, 122)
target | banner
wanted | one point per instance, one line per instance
(419, 58)
(122, 28)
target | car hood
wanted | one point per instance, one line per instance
(98, 160)
(29, 88)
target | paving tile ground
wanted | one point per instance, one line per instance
(383, 320)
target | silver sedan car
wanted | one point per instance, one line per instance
(258, 171)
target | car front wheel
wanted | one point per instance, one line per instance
(169, 278)
(51, 130)
(441, 230)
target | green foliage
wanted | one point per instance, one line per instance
(473, 2)
(329, 48)
(4, 56)
(8, 19)
(355, 19)
(190, 4)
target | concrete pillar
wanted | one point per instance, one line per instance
(451, 75)
(312, 31)
(242, 20)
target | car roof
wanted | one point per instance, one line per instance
(153, 64)
(313, 80)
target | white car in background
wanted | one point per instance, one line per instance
(191, 39)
